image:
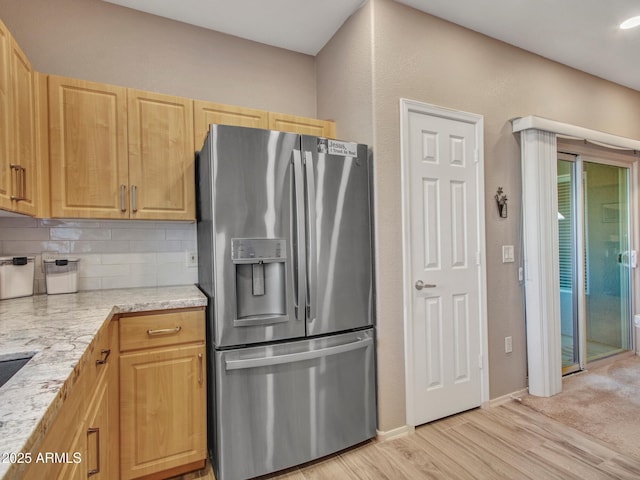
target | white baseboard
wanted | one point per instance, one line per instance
(395, 433)
(496, 402)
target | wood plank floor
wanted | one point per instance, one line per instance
(507, 442)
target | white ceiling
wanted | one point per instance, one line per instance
(583, 34)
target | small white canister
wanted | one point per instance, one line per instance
(61, 275)
(16, 277)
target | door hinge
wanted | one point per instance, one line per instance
(476, 155)
(478, 258)
(480, 364)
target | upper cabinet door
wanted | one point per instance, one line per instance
(161, 156)
(24, 134)
(206, 113)
(5, 119)
(302, 125)
(88, 156)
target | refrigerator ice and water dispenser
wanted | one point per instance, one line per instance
(260, 265)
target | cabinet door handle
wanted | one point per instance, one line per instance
(123, 205)
(91, 431)
(164, 331)
(13, 190)
(105, 356)
(134, 198)
(23, 176)
(200, 369)
(19, 182)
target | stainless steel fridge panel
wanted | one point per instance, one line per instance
(253, 183)
(285, 404)
(339, 242)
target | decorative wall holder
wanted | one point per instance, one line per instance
(501, 199)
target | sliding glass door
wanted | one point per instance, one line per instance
(568, 245)
(595, 275)
(607, 272)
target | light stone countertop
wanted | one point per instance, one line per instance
(58, 329)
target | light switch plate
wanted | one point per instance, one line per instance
(508, 254)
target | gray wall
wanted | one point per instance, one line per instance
(418, 56)
(99, 41)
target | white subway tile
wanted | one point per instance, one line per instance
(86, 258)
(143, 269)
(100, 246)
(59, 233)
(128, 258)
(31, 247)
(112, 254)
(87, 283)
(129, 224)
(178, 225)
(129, 282)
(171, 257)
(182, 234)
(21, 222)
(24, 234)
(138, 234)
(60, 223)
(189, 245)
(156, 246)
(176, 274)
(103, 270)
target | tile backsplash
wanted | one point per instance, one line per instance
(113, 254)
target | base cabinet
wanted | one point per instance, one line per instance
(83, 439)
(162, 394)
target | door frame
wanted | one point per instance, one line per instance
(406, 107)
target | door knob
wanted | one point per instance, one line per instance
(420, 285)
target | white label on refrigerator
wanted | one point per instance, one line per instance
(344, 149)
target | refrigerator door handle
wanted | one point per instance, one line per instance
(312, 257)
(297, 357)
(299, 232)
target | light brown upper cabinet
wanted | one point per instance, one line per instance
(118, 153)
(209, 112)
(5, 119)
(89, 172)
(24, 138)
(18, 171)
(303, 125)
(161, 156)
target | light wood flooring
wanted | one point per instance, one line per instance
(505, 442)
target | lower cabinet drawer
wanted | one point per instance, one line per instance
(161, 329)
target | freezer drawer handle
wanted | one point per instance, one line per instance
(164, 331)
(297, 357)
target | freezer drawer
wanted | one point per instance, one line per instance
(286, 404)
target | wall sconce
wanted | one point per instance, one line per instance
(501, 199)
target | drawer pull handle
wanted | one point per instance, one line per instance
(105, 354)
(164, 331)
(93, 471)
(200, 368)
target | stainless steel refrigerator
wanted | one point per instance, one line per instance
(285, 258)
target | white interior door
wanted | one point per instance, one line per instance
(444, 278)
